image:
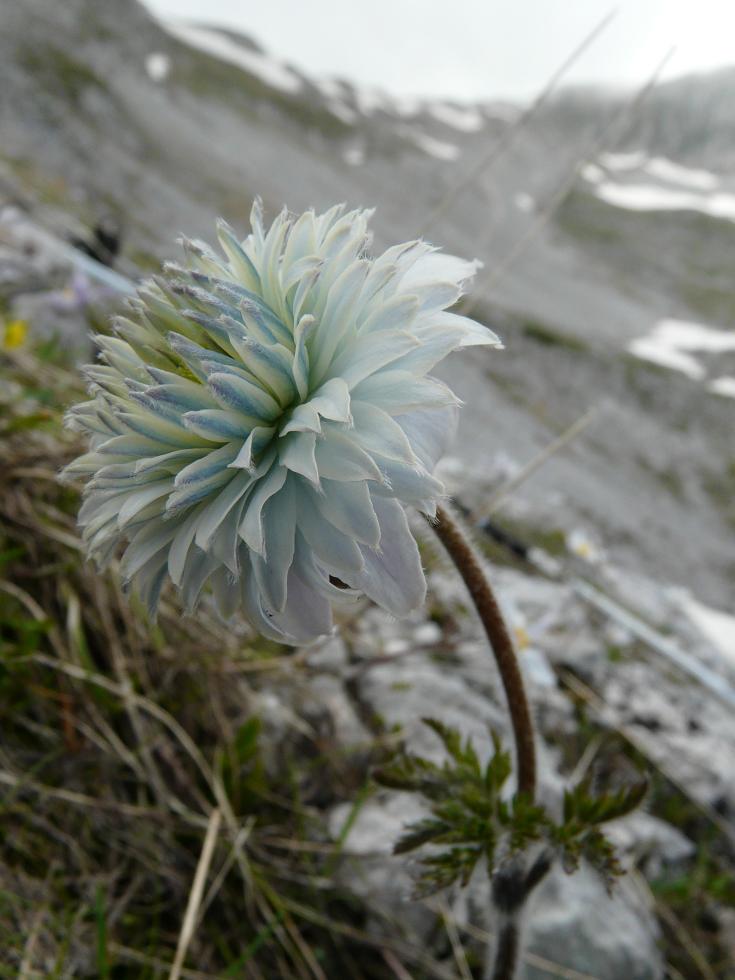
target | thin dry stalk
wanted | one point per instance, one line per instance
(485, 284)
(189, 924)
(512, 132)
(396, 966)
(510, 486)
(450, 924)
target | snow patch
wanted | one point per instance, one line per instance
(433, 147)
(331, 88)
(651, 349)
(592, 173)
(674, 173)
(342, 111)
(622, 161)
(467, 119)
(660, 168)
(524, 202)
(354, 155)
(724, 386)
(649, 197)
(334, 90)
(270, 71)
(158, 66)
(370, 100)
(717, 626)
(687, 335)
(671, 342)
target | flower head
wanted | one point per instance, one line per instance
(259, 421)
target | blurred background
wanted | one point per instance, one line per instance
(592, 170)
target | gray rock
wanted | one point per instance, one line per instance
(648, 843)
(369, 869)
(572, 922)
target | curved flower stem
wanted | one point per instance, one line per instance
(506, 951)
(465, 558)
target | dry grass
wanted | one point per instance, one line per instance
(132, 754)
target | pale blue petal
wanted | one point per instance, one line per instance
(393, 576)
(297, 452)
(339, 553)
(376, 432)
(339, 458)
(251, 526)
(348, 506)
(430, 432)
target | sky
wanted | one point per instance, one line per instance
(471, 50)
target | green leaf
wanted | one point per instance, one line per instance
(463, 755)
(246, 740)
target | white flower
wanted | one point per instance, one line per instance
(262, 418)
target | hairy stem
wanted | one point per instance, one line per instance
(507, 950)
(464, 557)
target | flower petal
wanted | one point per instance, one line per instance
(393, 576)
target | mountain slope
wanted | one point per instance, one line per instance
(90, 125)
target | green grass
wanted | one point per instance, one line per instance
(57, 71)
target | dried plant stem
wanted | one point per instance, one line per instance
(467, 562)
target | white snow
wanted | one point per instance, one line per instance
(671, 341)
(524, 202)
(674, 173)
(661, 168)
(405, 105)
(435, 148)
(342, 111)
(716, 625)
(724, 386)
(335, 91)
(650, 197)
(158, 65)
(369, 100)
(467, 119)
(622, 161)
(593, 173)
(269, 70)
(687, 335)
(651, 349)
(332, 88)
(354, 155)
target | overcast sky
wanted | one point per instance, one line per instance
(476, 49)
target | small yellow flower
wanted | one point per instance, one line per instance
(522, 638)
(16, 332)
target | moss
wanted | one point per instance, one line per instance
(714, 302)
(57, 71)
(720, 485)
(549, 539)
